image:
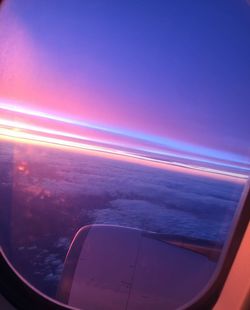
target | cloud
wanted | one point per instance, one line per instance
(115, 192)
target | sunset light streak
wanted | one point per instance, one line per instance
(17, 126)
(31, 133)
(174, 147)
(116, 154)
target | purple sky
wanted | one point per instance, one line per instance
(175, 72)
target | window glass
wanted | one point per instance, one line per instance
(124, 145)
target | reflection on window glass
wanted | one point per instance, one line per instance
(124, 147)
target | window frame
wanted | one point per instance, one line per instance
(22, 295)
(210, 294)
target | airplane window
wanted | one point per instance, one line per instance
(124, 146)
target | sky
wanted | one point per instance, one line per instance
(174, 75)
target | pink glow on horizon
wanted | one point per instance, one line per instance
(30, 75)
(21, 132)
